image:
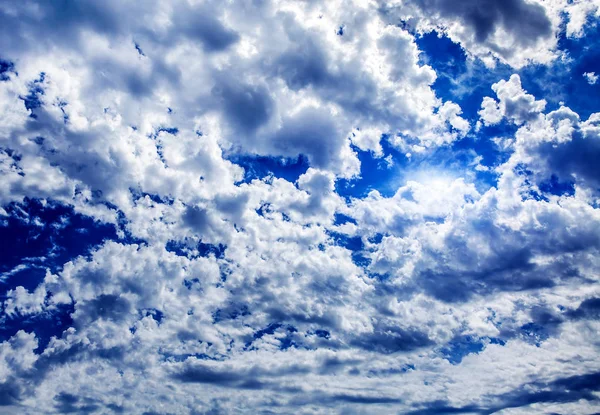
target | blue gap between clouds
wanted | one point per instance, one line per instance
(555, 187)
(341, 219)
(463, 346)
(374, 173)
(45, 325)
(353, 244)
(6, 67)
(259, 167)
(467, 83)
(32, 99)
(45, 236)
(284, 343)
(459, 81)
(199, 250)
(231, 313)
(564, 80)
(535, 333)
(193, 250)
(38, 236)
(552, 186)
(137, 194)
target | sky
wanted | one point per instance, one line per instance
(300, 207)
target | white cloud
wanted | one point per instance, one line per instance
(516, 32)
(248, 289)
(514, 104)
(579, 14)
(591, 77)
(557, 143)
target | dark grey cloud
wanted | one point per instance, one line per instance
(247, 107)
(67, 403)
(575, 160)
(197, 218)
(390, 339)
(208, 375)
(311, 132)
(254, 378)
(588, 309)
(509, 263)
(200, 24)
(560, 391)
(33, 24)
(105, 306)
(303, 65)
(526, 21)
(10, 392)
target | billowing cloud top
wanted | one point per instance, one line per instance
(273, 206)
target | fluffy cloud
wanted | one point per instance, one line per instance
(149, 272)
(514, 104)
(590, 77)
(516, 32)
(295, 86)
(557, 143)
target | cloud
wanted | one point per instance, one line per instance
(180, 211)
(590, 77)
(562, 390)
(515, 32)
(526, 21)
(248, 93)
(579, 13)
(514, 104)
(557, 143)
(391, 340)
(589, 308)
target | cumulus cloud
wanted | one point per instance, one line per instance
(579, 12)
(590, 77)
(516, 32)
(526, 21)
(149, 272)
(556, 143)
(514, 104)
(293, 87)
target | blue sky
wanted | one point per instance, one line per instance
(314, 207)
